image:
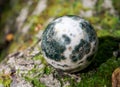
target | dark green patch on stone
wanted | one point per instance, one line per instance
(67, 40)
(87, 47)
(80, 50)
(89, 30)
(51, 46)
(74, 58)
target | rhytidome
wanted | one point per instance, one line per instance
(69, 43)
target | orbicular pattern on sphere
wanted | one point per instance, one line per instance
(68, 43)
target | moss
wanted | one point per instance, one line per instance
(98, 6)
(34, 74)
(5, 80)
(55, 8)
(48, 70)
(35, 82)
(41, 58)
(110, 22)
(116, 5)
(101, 77)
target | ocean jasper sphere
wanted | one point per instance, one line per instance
(69, 43)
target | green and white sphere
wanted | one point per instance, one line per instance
(69, 43)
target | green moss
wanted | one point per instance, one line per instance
(98, 6)
(5, 80)
(48, 70)
(110, 22)
(116, 5)
(35, 82)
(3, 54)
(41, 58)
(101, 77)
(106, 21)
(38, 72)
(59, 8)
(34, 74)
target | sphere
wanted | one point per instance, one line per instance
(69, 43)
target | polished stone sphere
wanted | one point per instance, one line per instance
(69, 43)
